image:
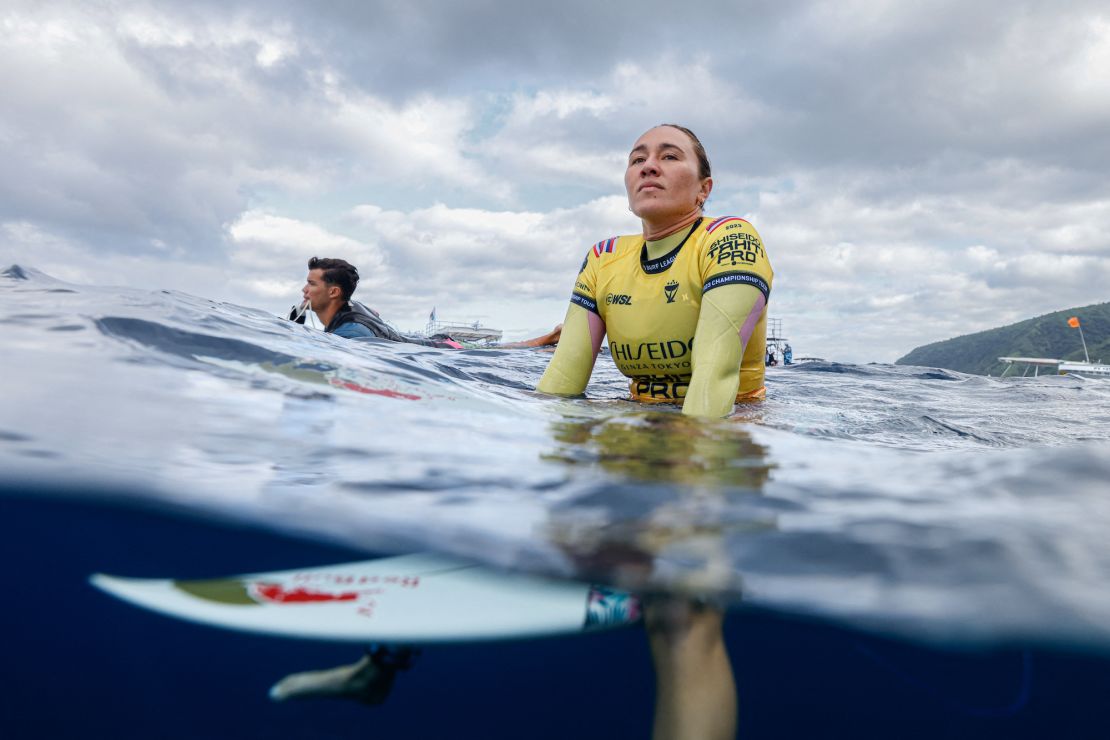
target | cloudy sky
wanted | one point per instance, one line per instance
(917, 170)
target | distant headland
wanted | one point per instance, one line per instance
(1044, 336)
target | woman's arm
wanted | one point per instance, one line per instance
(569, 370)
(729, 315)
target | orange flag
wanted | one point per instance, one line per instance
(1073, 322)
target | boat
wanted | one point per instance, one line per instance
(1060, 367)
(1085, 369)
(1034, 363)
(469, 332)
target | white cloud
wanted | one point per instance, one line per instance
(419, 141)
(582, 135)
(163, 126)
(916, 172)
(269, 253)
(890, 274)
(485, 261)
(267, 233)
(27, 244)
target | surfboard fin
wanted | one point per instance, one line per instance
(369, 680)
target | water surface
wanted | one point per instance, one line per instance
(907, 501)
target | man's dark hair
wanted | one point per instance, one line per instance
(337, 272)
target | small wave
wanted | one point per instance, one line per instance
(938, 374)
(15, 272)
(947, 427)
(187, 344)
(827, 367)
(878, 369)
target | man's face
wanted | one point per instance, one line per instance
(318, 293)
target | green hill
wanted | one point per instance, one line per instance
(1045, 336)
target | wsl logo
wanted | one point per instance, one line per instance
(670, 290)
(618, 299)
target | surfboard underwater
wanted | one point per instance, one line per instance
(410, 599)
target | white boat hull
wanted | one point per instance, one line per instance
(1086, 369)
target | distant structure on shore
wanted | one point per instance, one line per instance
(1050, 339)
(779, 350)
(1086, 368)
(471, 332)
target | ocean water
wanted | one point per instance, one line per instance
(905, 551)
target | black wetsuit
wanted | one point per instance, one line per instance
(355, 312)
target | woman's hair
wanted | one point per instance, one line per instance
(704, 170)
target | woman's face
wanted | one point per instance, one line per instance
(662, 176)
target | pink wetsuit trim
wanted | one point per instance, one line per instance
(753, 319)
(597, 331)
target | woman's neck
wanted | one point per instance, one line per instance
(653, 232)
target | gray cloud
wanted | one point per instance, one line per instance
(915, 171)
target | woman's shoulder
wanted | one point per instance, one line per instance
(728, 232)
(731, 243)
(612, 248)
(615, 244)
(716, 226)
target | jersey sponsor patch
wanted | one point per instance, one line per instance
(584, 301)
(670, 290)
(726, 222)
(659, 390)
(738, 278)
(618, 299)
(604, 246)
(667, 349)
(740, 248)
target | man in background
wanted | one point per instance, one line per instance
(328, 289)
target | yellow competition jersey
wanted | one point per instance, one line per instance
(650, 306)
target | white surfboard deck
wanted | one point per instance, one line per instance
(411, 599)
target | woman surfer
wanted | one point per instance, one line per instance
(684, 305)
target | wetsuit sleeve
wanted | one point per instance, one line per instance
(736, 287)
(570, 369)
(352, 330)
(727, 319)
(583, 329)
